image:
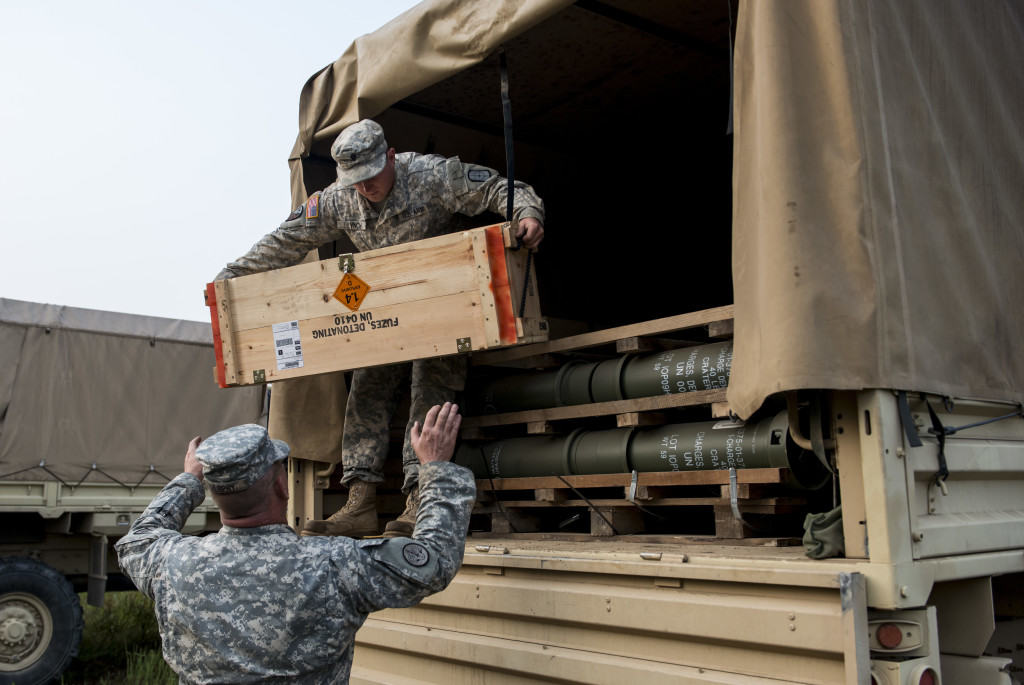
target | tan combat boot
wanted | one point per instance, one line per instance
(358, 518)
(402, 526)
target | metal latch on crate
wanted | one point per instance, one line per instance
(734, 501)
(464, 344)
(351, 291)
(632, 487)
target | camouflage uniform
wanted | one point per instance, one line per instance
(263, 604)
(429, 191)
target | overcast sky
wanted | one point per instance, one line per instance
(143, 145)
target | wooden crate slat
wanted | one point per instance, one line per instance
(717, 477)
(578, 411)
(609, 335)
(486, 293)
(226, 371)
(305, 291)
(368, 347)
(766, 505)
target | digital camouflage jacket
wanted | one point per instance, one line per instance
(263, 604)
(429, 191)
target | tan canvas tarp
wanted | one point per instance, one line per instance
(102, 396)
(878, 222)
(422, 46)
(878, 233)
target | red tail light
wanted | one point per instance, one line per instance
(889, 635)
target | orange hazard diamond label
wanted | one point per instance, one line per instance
(351, 291)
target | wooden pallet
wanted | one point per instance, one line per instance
(718, 321)
(627, 412)
(642, 337)
(615, 504)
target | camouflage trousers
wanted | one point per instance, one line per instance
(372, 400)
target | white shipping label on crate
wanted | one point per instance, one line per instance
(287, 345)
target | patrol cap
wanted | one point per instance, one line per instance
(235, 458)
(360, 151)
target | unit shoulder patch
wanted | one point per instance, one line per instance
(405, 557)
(416, 554)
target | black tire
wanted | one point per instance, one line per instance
(40, 622)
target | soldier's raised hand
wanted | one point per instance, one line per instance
(435, 441)
(192, 464)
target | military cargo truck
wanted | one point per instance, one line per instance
(96, 410)
(834, 185)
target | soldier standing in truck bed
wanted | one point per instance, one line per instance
(381, 199)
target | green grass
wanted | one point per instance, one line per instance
(120, 644)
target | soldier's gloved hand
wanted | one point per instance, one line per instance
(531, 232)
(436, 440)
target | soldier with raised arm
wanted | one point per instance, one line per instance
(257, 603)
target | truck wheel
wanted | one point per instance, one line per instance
(40, 622)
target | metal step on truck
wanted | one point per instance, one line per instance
(96, 409)
(827, 188)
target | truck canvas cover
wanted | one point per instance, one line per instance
(876, 227)
(93, 396)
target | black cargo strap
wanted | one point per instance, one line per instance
(913, 439)
(940, 431)
(510, 167)
(506, 112)
(94, 468)
(41, 465)
(589, 504)
(1012, 415)
(510, 164)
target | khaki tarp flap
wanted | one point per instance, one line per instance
(878, 226)
(424, 45)
(101, 396)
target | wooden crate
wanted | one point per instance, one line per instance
(440, 296)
